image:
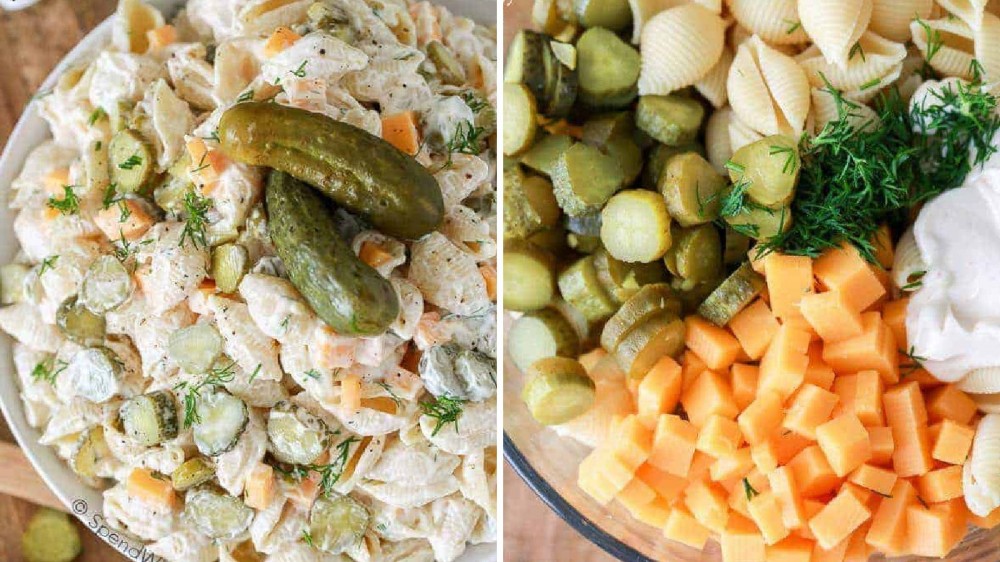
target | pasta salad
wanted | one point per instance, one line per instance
(246, 371)
(745, 252)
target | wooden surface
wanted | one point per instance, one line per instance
(32, 41)
(532, 531)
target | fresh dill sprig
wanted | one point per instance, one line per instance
(467, 139)
(196, 208)
(246, 96)
(934, 39)
(313, 374)
(392, 393)
(307, 537)
(857, 49)
(215, 377)
(475, 103)
(856, 178)
(329, 473)
(48, 370)
(790, 164)
(110, 197)
(213, 137)
(47, 264)
(124, 211)
(793, 26)
(300, 72)
(444, 409)
(69, 204)
(96, 115)
(917, 281)
(749, 490)
(255, 372)
(131, 162)
(914, 364)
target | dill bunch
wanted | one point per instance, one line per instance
(854, 178)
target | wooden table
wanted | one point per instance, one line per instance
(32, 42)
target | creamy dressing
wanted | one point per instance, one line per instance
(953, 319)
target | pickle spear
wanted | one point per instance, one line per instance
(359, 171)
(345, 292)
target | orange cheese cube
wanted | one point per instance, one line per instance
(787, 444)
(373, 254)
(875, 349)
(654, 513)
(55, 180)
(786, 490)
(813, 473)
(691, 366)
(761, 418)
(160, 37)
(260, 486)
(128, 219)
(882, 445)
(719, 436)
(716, 346)
(952, 442)
(810, 507)
(784, 364)
(836, 554)
(281, 39)
(741, 541)
(743, 379)
(765, 456)
(810, 408)
(876, 479)
(400, 130)
(733, 466)
(831, 316)
(707, 503)
(838, 519)
(894, 316)
(701, 466)
(682, 527)
(635, 495)
(632, 442)
(754, 327)
(844, 441)
(941, 485)
(765, 511)
(907, 416)
(844, 270)
(818, 373)
(948, 402)
(659, 391)
(791, 549)
(668, 487)
(709, 394)
(868, 390)
(144, 486)
(936, 529)
(591, 477)
(673, 445)
(789, 279)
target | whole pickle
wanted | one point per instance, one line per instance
(344, 291)
(359, 171)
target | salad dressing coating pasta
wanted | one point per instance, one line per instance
(187, 250)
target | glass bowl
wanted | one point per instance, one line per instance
(548, 463)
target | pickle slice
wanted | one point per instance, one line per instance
(646, 344)
(651, 300)
(558, 390)
(89, 450)
(337, 523)
(192, 472)
(294, 435)
(150, 419)
(195, 348)
(222, 418)
(581, 288)
(106, 285)
(732, 296)
(50, 537)
(536, 335)
(79, 324)
(217, 514)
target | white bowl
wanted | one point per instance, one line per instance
(30, 131)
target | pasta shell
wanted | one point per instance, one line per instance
(768, 90)
(737, 35)
(713, 84)
(981, 381)
(977, 497)
(969, 11)
(988, 403)
(864, 74)
(988, 47)
(644, 10)
(134, 19)
(835, 25)
(907, 261)
(985, 458)
(679, 46)
(891, 18)
(775, 21)
(949, 48)
(825, 109)
(741, 134)
(718, 147)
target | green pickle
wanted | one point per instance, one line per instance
(50, 537)
(355, 169)
(346, 293)
(558, 390)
